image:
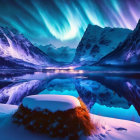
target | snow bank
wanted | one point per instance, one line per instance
(6, 109)
(51, 102)
(115, 129)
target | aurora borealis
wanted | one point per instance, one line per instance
(44, 21)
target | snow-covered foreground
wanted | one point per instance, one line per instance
(109, 128)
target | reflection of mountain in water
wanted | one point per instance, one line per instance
(127, 88)
(108, 91)
(94, 92)
(15, 92)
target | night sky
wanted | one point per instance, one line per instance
(64, 21)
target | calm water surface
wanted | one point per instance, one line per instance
(110, 94)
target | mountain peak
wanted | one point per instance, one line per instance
(138, 25)
(93, 27)
(127, 53)
(97, 42)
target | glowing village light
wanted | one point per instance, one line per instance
(68, 71)
(80, 71)
(71, 68)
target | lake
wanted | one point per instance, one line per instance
(111, 94)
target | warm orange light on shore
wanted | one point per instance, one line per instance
(68, 70)
(81, 71)
(71, 68)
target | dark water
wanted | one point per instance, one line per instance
(109, 94)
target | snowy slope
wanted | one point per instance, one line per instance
(108, 128)
(98, 42)
(15, 45)
(127, 53)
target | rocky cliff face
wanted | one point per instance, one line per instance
(127, 53)
(98, 42)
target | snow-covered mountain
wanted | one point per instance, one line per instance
(98, 42)
(15, 46)
(127, 53)
(61, 54)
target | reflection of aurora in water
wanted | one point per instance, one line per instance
(65, 20)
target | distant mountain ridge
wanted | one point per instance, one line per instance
(97, 42)
(61, 54)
